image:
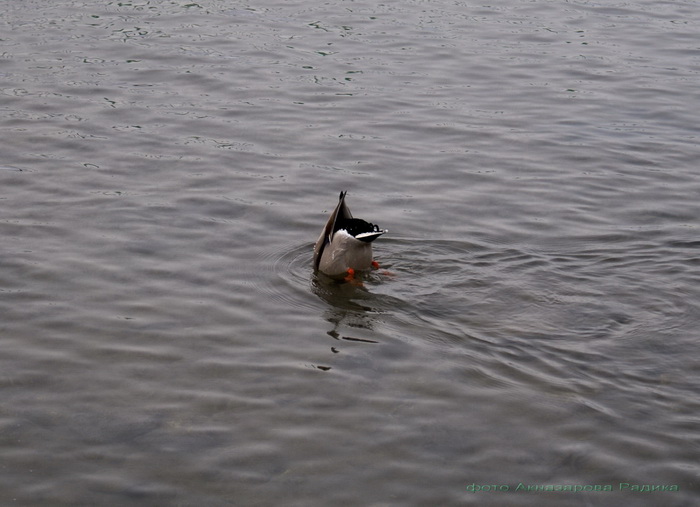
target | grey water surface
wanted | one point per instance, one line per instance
(531, 334)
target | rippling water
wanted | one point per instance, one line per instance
(166, 167)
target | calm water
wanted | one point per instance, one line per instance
(166, 166)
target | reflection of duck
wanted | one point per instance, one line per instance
(345, 245)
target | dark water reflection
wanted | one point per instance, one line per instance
(165, 168)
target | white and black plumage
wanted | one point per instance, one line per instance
(345, 245)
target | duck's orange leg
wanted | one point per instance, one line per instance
(375, 265)
(350, 276)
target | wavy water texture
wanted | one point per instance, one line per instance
(164, 172)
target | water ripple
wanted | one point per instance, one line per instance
(164, 173)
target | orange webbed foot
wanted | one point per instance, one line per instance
(375, 265)
(350, 276)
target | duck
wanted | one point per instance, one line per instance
(344, 247)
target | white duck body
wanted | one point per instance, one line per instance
(345, 244)
(343, 253)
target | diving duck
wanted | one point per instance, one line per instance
(345, 245)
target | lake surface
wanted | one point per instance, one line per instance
(532, 332)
